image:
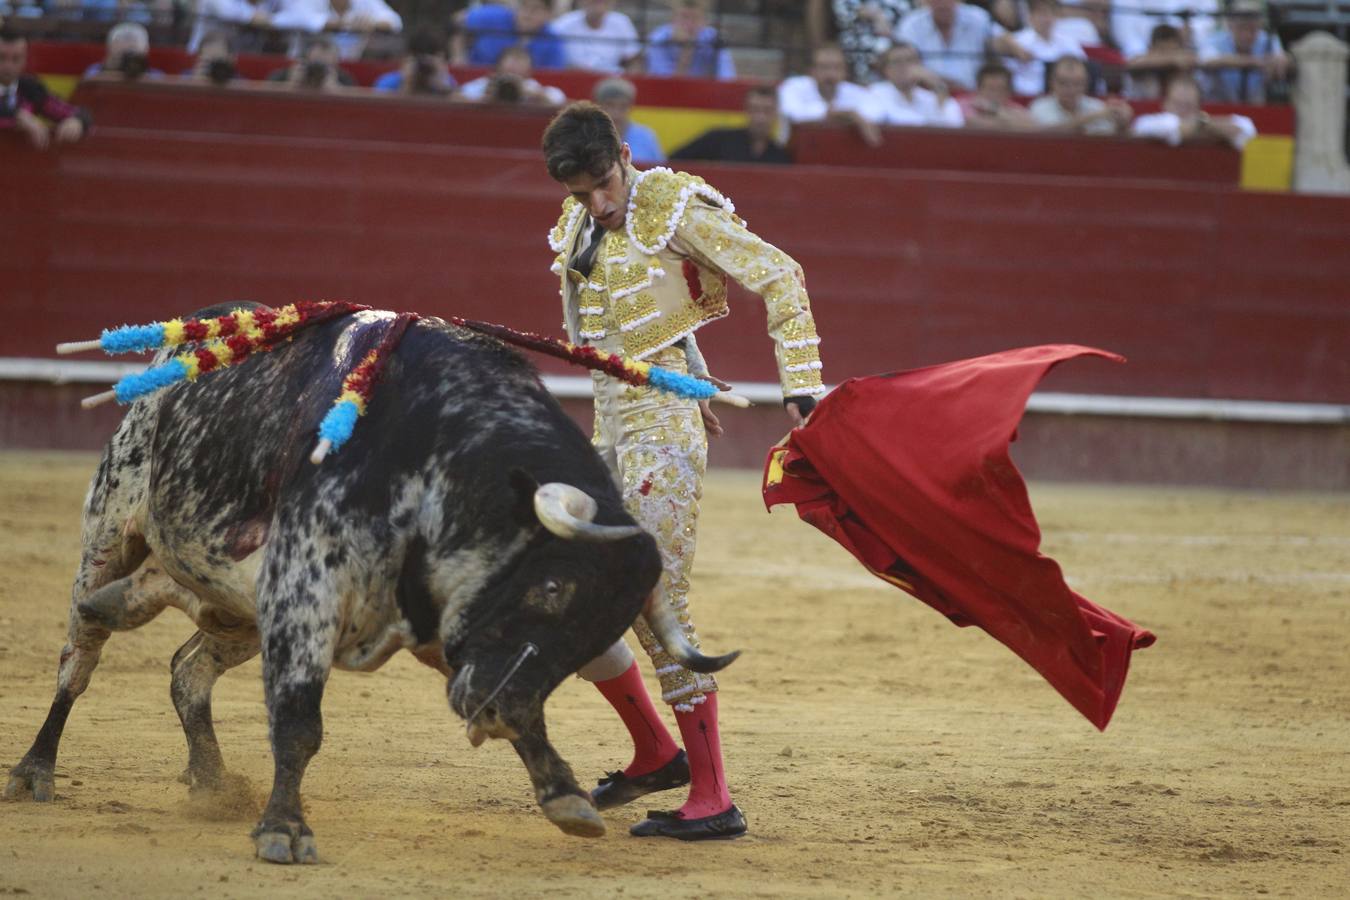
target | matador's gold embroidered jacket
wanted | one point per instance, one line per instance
(664, 276)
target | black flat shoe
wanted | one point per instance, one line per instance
(721, 827)
(616, 788)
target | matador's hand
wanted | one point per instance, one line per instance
(799, 409)
(710, 422)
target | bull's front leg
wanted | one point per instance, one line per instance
(555, 787)
(297, 621)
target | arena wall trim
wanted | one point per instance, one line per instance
(571, 387)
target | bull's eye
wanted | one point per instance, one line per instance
(552, 589)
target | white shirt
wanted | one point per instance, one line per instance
(212, 14)
(312, 15)
(477, 89)
(1029, 77)
(922, 107)
(799, 100)
(1132, 27)
(959, 60)
(1167, 126)
(1076, 28)
(1047, 111)
(600, 49)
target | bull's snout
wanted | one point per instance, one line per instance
(489, 724)
(480, 704)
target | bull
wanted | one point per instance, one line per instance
(468, 521)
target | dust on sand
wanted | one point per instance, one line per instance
(875, 749)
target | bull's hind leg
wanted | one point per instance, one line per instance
(102, 603)
(298, 623)
(196, 666)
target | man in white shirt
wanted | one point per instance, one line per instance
(217, 14)
(909, 94)
(350, 22)
(511, 82)
(1044, 43)
(954, 38)
(824, 96)
(596, 37)
(1068, 109)
(337, 15)
(1133, 23)
(1182, 121)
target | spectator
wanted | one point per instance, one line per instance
(1086, 21)
(511, 83)
(316, 69)
(753, 143)
(1239, 59)
(616, 97)
(596, 37)
(216, 60)
(25, 101)
(1182, 121)
(864, 28)
(488, 29)
(128, 46)
(1067, 108)
(349, 22)
(824, 96)
(484, 31)
(1044, 43)
(991, 107)
(688, 45)
(534, 23)
(1007, 14)
(213, 15)
(1133, 23)
(910, 94)
(1166, 57)
(953, 38)
(425, 68)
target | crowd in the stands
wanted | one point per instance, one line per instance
(1010, 65)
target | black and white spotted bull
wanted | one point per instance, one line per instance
(468, 520)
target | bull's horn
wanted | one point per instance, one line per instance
(665, 624)
(567, 511)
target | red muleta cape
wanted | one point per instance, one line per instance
(910, 473)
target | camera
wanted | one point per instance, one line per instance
(426, 76)
(314, 74)
(220, 71)
(132, 65)
(505, 89)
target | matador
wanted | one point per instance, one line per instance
(644, 259)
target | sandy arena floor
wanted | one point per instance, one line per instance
(875, 749)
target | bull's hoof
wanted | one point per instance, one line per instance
(30, 780)
(294, 844)
(575, 816)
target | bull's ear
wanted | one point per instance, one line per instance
(523, 487)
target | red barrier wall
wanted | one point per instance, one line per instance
(277, 111)
(952, 150)
(1211, 292)
(273, 110)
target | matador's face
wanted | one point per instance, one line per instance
(606, 196)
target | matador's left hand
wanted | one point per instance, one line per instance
(710, 420)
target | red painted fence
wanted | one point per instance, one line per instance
(1210, 291)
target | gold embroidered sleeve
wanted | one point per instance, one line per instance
(719, 240)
